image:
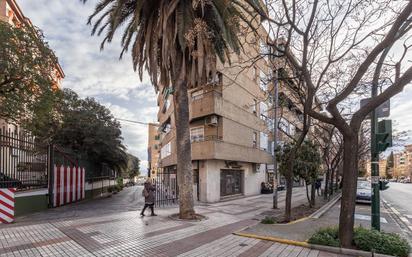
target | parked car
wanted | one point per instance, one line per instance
(364, 192)
(129, 184)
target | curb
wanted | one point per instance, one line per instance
(331, 249)
(317, 214)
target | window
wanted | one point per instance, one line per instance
(167, 128)
(254, 107)
(197, 95)
(166, 150)
(264, 141)
(264, 50)
(255, 73)
(197, 134)
(263, 110)
(263, 80)
(254, 139)
(284, 125)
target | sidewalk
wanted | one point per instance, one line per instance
(302, 230)
(95, 232)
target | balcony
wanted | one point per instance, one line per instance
(213, 147)
(204, 104)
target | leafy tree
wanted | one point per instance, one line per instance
(308, 167)
(27, 67)
(90, 130)
(389, 166)
(177, 43)
(306, 164)
(133, 167)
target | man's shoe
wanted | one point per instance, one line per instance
(153, 214)
(141, 214)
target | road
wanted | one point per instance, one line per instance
(398, 197)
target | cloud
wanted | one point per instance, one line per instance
(94, 73)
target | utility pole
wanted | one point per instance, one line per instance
(375, 166)
(275, 137)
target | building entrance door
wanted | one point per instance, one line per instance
(231, 182)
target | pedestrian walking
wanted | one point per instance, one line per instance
(149, 197)
(318, 185)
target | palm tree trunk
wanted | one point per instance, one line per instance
(183, 146)
(350, 176)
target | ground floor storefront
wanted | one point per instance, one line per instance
(216, 180)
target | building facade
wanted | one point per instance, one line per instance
(153, 150)
(230, 127)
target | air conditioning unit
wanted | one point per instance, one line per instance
(211, 120)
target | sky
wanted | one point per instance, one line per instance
(94, 73)
(100, 74)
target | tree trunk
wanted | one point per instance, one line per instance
(289, 188)
(307, 195)
(327, 193)
(312, 194)
(183, 147)
(349, 179)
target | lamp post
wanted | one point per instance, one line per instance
(275, 137)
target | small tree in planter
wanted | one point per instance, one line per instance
(308, 167)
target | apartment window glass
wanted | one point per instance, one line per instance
(197, 95)
(264, 50)
(284, 125)
(263, 110)
(168, 127)
(264, 140)
(254, 139)
(263, 81)
(197, 134)
(166, 150)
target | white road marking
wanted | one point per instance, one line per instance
(405, 220)
(367, 217)
(409, 216)
(395, 211)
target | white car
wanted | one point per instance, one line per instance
(364, 192)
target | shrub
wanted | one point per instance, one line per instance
(366, 240)
(326, 236)
(381, 242)
(268, 220)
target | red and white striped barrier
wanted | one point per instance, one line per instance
(7, 205)
(68, 185)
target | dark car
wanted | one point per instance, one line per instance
(364, 192)
(129, 184)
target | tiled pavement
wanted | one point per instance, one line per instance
(97, 232)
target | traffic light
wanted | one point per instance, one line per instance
(383, 185)
(384, 135)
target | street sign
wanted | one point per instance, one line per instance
(382, 111)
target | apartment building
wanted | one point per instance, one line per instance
(10, 12)
(153, 150)
(230, 127)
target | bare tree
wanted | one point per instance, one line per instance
(338, 48)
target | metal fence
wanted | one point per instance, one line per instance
(23, 162)
(167, 192)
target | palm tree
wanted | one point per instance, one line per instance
(176, 42)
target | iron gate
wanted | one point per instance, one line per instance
(23, 162)
(167, 192)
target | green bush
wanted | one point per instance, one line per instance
(381, 242)
(268, 220)
(366, 240)
(326, 236)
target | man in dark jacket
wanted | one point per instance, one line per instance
(149, 197)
